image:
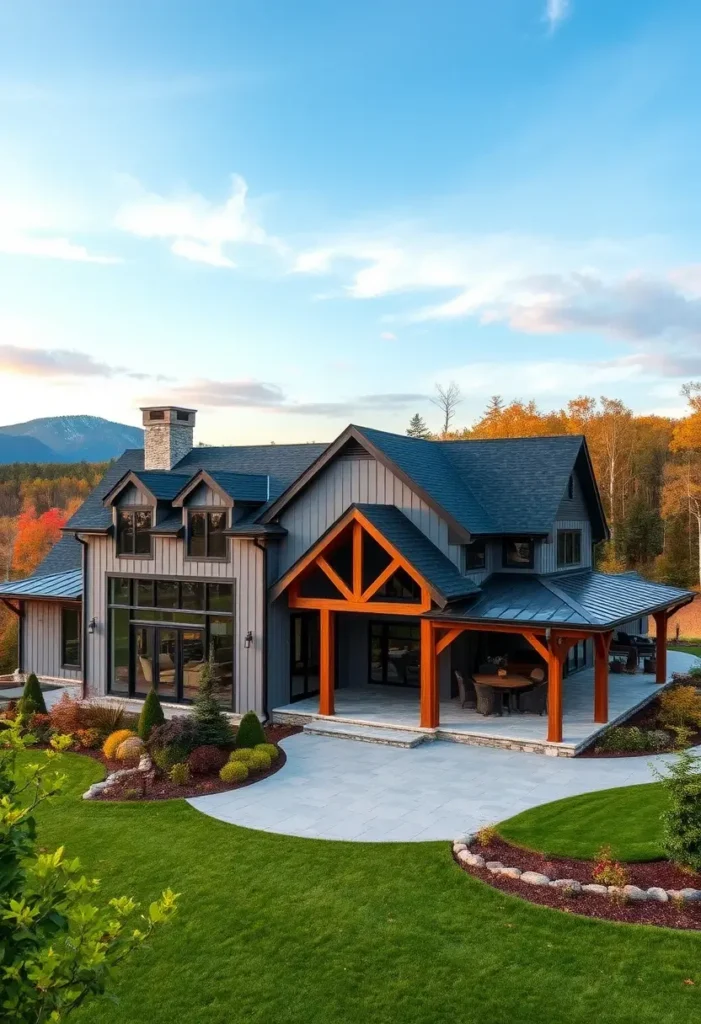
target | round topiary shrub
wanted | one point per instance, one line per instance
(234, 771)
(109, 747)
(207, 760)
(130, 749)
(151, 715)
(259, 762)
(243, 756)
(250, 732)
(270, 749)
(32, 700)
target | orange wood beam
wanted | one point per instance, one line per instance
(376, 607)
(558, 646)
(537, 645)
(602, 644)
(661, 620)
(326, 661)
(357, 560)
(446, 641)
(17, 609)
(382, 578)
(430, 716)
(334, 577)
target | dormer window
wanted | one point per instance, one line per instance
(518, 553)
(133, 531)
(205, 536)
(474, 556)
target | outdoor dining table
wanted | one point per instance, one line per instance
(511, 683)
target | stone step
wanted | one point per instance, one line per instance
(365, 733)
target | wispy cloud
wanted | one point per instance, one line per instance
(55, 363)
(196, 228)
(30, 232)
(555, 13)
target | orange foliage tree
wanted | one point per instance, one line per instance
(36, 535)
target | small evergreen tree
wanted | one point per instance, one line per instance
(681, 821)
(151, 715)
(417, 427)
(212, 725)
(250, 732)
(32, 701)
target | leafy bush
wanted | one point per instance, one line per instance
(180, 732)
(250, 731)
(109, 747)
(259, 761)
(243, 756)
(87, 739)
(681, 821)
(130, 749)
(180, 774)
(486, 835)
(32, 701)
(270, 749)
(234, 771)
(151, 715)
(67, 715)
(680, 705)
(608, 871)
(213, 727)
(207, 760)
(106, 718)
(40, 726)
(629, 739)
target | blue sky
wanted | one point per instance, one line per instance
(293, 216)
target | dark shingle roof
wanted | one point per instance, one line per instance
(65, 555)
(66, 585)
(243, 486)
(162, 485)
(169, 525)
(92, 514)
(582, 599)
(436, 568)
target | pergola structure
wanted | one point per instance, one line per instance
(342, 573)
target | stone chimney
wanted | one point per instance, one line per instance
(168, 432)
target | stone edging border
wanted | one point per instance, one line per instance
(466, 858)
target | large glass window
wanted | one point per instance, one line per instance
(518, 553)
(394, 653)
(206, 537)
(569, 547)
(119, 637)
(70, 637)
(474, 555)
(134, 531)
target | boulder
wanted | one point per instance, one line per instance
(494, 866)
(690, 895)
(467, 839)
(658, 894)
(535, 878)
(634, 892)
(596, 889)
(464, 856)
(475, 860)
(570, 884)
(511, 872)
(459, 847)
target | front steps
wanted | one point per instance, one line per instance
(407, 738)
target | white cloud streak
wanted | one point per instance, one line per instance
(556, 11)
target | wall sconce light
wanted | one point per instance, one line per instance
(92, 625)
(248, 639)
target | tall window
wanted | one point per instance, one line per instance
(518, 553)
(70, 637)
(134, 531)
(569, 547)
(474, 555)
(206, 537)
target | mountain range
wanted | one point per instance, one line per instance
(67, 439)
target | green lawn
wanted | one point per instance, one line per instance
(276, 930)
(628, 819)
(694, 649)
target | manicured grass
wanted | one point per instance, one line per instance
(695, 649)
(296, 931)
(627, 819)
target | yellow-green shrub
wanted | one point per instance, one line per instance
(270, 749)
(680, 706)
(259, 761)
(234, 771)
(180, 774)
(109, 747)
(130, 749)
(243, 755)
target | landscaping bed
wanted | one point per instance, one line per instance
(673, 913)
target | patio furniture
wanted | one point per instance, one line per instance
(463, 696)
(505, 687)
(489, 699)
(535, 700)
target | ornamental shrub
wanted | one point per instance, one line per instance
(608, 871)
(180, 732)
(681, 821)
(67, 715)
(268, 748)
(243, 755)
(630, 739)
(259, 761)
(40, 727)
(180, 774)
(234, 771)
(32, 701)
(213, 727)
(681, 705)
(207, 760)
(106, 718)
(151, 715)
(109, 747)
(250, 732)
(87, 739)
(130, 749)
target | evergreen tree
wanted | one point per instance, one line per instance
(417, 427)
(250, 732)
(151, 715)
(32, 701)
(213, 727)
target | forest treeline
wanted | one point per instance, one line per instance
(648, 469)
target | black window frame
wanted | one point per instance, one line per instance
(506, 564)
(133, 513)
(477, 547)
(570, 487)
(207, 513)
(573, 540)
(77, 639)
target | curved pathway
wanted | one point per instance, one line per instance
(342, 789)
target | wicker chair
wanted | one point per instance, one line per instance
(489, 699)
(535, 700)
(464, 695)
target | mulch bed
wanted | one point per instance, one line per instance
(645, 875)
(645, 718)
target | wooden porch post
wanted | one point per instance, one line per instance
(327, 652)
(555, 698)
(602, 643)
(661, 619)
(429, 677)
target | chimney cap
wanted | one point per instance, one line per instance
(165, 408)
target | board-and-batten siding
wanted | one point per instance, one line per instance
(244, 569)
(205, 496)
(132, 495)
(41, 641)
(546, 553)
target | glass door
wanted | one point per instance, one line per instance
(304, 655)
(168, 659)
(395, 654)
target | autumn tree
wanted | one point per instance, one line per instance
(36, 535)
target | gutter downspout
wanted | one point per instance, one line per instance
(264, 548)
(84, 627)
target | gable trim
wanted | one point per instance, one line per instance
(201, 477)
(129, 478)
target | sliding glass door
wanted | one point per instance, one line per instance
(169, 660)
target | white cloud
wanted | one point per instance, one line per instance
(555, 12)
(388, 336)
(29, 231)
(197, 229)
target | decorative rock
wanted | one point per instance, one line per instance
(634, 892)
(658, 894)
(495, 866)
(511, 872)
(464, 856)
(534, 878)
(690, 895)
(459, 847)
(467, 839)
(593, 887)
(476, 860)
(567, 883)
(613, 890)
